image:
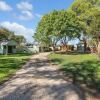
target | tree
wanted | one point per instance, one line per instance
(94, 27)
(5, 34)
(45, 33)
(87, 11)
(67, 26)
(19, 39)
(58, 26)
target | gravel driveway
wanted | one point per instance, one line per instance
(39, 80)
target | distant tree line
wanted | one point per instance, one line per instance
(5, 34)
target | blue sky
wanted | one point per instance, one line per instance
(22, 16)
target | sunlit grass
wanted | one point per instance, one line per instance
(10, 63)
(82, 68)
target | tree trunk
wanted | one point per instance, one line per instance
(85, 46)
(98, 49)
(53, 47)
(66, 48)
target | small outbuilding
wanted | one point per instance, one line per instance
(8, 47)
(32, 48)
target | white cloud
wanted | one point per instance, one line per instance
(38, 15)
(26, 11)
(19, 29)
(25, 6)
(25, 15)
(4, 6)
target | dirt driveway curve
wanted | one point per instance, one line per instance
(39, 80)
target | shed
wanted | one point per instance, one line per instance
(32, 48)
(8, 47)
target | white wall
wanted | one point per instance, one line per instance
(34, 49)
(1, 49)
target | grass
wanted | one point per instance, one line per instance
(81, 68)
(9, 64)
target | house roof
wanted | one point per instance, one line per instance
(10, 43)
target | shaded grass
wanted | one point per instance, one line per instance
(81, 68)
(10, 63)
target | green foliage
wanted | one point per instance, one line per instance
(94, 26)
(81, 68)
(10, 63)
(88, 12)
(5, 34)
(45, 30)
(58, 25)
(81, 19)
(19, 39)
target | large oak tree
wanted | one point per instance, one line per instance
(88, 12)
(58, 26)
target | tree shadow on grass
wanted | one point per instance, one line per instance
(72, 53)
(31, 90)
(23, 54)
(56, 61)
(9, 66)
(84, 73)
(77, 71)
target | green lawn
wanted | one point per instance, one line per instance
(10, 63)
(81, 68)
